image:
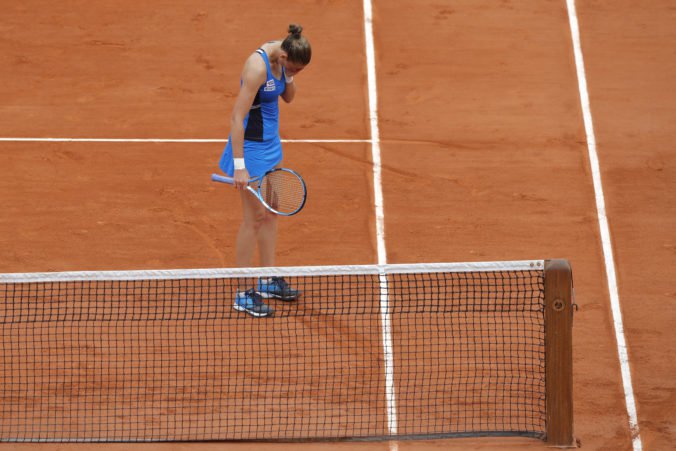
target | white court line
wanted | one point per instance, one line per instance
(169, 140)
(388, 358)
(605, 231)
(375, 133)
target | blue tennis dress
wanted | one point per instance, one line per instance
(262, 145)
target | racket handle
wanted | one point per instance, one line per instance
(222, 179)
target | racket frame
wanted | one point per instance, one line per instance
(257, 192)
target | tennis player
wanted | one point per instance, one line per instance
(254, 147)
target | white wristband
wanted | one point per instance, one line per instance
(239, 163)
(287, 78)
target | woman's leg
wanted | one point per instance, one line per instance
(259, 226)
(252, 217)
(267, 238)
(246, 299)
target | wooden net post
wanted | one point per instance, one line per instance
(559, 353)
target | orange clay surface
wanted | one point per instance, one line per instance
(483, 148)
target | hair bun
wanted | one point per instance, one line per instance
(295, 30)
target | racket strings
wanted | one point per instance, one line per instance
(283, 191)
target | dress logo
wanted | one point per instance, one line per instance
(269, 86)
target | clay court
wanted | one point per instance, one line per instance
(114, 115)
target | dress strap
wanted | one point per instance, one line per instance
(264, 55)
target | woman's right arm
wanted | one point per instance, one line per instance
(253, 76)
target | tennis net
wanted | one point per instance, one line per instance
(365, 352)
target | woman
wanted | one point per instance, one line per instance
(254, 147)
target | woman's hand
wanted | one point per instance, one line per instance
(241, 178)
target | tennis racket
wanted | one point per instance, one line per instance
(281, 190)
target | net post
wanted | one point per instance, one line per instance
(559, 353)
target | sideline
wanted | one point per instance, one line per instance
(605, 230)
(388, 357)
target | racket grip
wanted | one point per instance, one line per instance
(222, 179)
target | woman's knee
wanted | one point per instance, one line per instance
(255, 221)
(269, 218)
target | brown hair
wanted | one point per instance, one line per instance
(296, 46)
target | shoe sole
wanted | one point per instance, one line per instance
(266, 295)
(239, 308)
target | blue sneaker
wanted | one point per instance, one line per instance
(276, 287)
(251, 302)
